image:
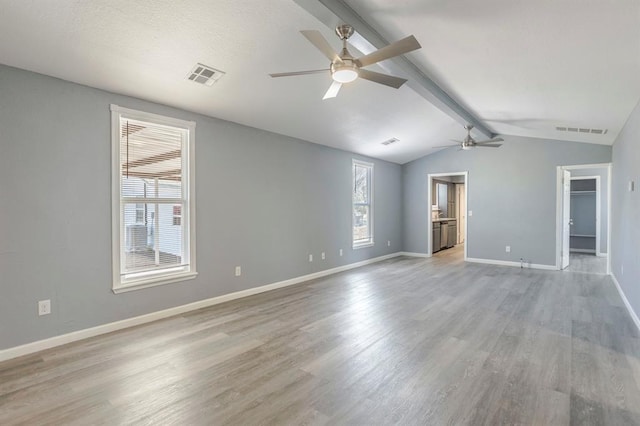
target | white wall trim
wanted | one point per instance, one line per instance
(412, 254)
(74, 336)
(511, 263)
(633, 314)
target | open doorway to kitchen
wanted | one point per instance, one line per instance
(447, 221)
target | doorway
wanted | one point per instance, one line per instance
(447, 214)
(583, 211)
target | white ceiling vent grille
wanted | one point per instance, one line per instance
(582, 130)
(390, 141)
(204, 75)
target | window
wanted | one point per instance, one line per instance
(140, 216)
(153, 199)
(362, 204)
(177, 215)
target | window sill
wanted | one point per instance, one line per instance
(140, 283)
(363, 245)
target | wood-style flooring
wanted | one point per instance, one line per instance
(588, 263)
(405, 341)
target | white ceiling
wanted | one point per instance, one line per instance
(523, 67)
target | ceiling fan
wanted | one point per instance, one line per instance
(469, 142)
(344, 68)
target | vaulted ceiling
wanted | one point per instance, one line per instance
(517, 67)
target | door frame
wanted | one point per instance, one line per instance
(560, 206)
(459, 187)
(430, 178)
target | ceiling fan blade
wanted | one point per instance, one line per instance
(321, 43)
(490, 141)
(288, 74)
(394, 49)
(455, 140)
(483, 145)
(387, 80)
(333, 90)
(445, 146)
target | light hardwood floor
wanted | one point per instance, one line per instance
(405, 341)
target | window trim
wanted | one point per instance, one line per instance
(171, 275)
(369, 242)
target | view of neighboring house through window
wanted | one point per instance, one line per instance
(153, 199)
(362, 204)
(140, 216)
(177, 215)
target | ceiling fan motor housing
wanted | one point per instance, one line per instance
(344, 31)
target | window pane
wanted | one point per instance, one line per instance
(170, 189)
(136, 187)
(361, 185)
(361, 228)
(151, 158)
(154, 243)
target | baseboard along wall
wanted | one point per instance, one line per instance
(63, 339)
(74, 336)
(511, 263)
(632, 313)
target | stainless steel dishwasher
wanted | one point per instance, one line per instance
(444, 234)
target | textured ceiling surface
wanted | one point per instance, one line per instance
(521, 67)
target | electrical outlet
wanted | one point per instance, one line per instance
(323, 256)
(470, 213)
(44, 307)
(310, 258)
(340, 252)
(507, 249)
(238, 271)
(388, 243)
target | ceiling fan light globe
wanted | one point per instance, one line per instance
(345, 74)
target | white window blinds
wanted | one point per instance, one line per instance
(362, 204)
(154, 202)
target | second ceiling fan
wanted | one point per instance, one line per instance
(344, 68)
(469, 142)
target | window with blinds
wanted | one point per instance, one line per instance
(153, 199)
(362, 198)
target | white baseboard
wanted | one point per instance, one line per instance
(510, 263)
(411, 254)
(63, 339)
(633, 314)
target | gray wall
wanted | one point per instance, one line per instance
(263, 201)
(604, 193)
(625, 210)
(511, 191)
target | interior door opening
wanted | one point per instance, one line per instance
(584, 224)
(447, 219)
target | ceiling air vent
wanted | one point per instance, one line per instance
(390, 141)
(582, 130)
(204, 75)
